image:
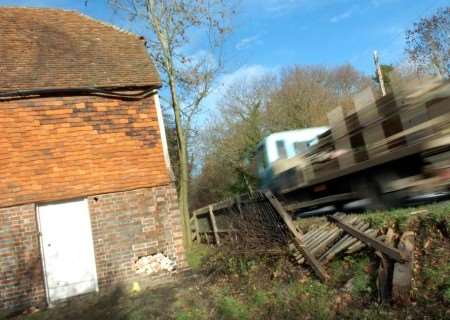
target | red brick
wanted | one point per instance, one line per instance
(73, 149)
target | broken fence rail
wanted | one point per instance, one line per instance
(251, 221)
(257, 221)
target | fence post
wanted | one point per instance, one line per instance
(297, 235)
(238, 205)
(214, 225)
(197, 230)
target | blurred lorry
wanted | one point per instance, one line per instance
(387, 152)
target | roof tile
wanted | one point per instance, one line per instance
(51, 48)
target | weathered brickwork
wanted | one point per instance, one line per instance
(128, 225)
(125, 226)
(61, 148)
(21, 277)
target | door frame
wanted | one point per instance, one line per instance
(41, 247)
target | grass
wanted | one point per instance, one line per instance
(196, 255)
(230, 287)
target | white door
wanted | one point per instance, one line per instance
(67, 248)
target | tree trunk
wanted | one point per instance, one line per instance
(183, 183)
(183, 193)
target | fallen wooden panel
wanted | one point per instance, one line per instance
(370, 241)
(298, 236)
(344, 243)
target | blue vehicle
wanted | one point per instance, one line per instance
(280, 146)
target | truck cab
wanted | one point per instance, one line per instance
(281, 146)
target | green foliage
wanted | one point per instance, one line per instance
(227, 263)
(403, 219)
(229, 308)
(261, 298)
(251, 287)
(192, 314)
(361, 283)
(446, 295)
(310, 299)
(386, 70)
(339, 272)
(196, 255)
(249, 110)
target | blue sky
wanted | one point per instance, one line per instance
(272, 34)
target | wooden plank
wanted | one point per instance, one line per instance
(344, 243)
(214, 225)
(405, 151)
(370, 241)
(298, 236)
(197, 229)
(313, 233)
(358, 245)
(216, 206)
(384, 279)
(403, 272)
(316, 251)
(314, 242)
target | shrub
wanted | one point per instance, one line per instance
(230, 308)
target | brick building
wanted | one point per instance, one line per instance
(85, 180)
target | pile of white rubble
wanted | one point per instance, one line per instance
(154, 263)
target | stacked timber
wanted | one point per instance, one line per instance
(412, 118)
(329, 240)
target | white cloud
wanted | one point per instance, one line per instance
(245, 43)
(201, 56)
(280, 6)
(246, 73)
(377, 3)
(347, 14)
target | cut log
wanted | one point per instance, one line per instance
(316, 251)
(384, 280)
(403, 272)
(344, 243)
(320, 238)
(313, 233)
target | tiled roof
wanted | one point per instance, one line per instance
(50, 48)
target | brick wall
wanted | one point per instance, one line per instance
(128, 225)
(21, 278)
(125, 226)
(67, 147)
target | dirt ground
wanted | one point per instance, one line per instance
(122, 304)
(229, 287)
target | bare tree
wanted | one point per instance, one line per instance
(189, 77)
(428, 42)
(302, 99)
(250, 109)
(231, 138)
(307, 93)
